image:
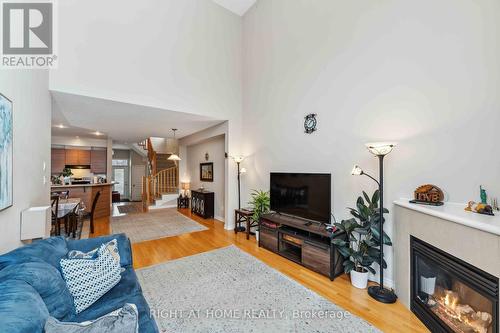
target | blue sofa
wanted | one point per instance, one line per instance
(32, 286)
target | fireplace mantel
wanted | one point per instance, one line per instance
(455, 212)
(471, 237)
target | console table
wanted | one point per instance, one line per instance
(202, 203)
(309, 245)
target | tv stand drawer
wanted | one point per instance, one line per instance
(316, 258)
(268, 239)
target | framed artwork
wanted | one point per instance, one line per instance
(207, 172)
(6, 138)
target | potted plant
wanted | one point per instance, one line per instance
(66, 173)
(361, 246)
(261, 203)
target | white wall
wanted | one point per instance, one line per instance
(423, 73)
(176, 55)
(28, 90)
(215, 147)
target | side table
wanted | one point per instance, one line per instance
(244, 215)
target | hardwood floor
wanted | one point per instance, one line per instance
(386, 317)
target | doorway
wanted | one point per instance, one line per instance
(121, 177)
(138, 171)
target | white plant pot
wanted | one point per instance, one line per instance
(359, 280)
(257, 235)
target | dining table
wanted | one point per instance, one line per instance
(66, 206)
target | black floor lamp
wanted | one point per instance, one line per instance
(379, 149)
(238, 160)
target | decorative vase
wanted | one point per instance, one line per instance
(257, 235)
(359, 279)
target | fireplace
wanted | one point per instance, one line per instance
(450, 295)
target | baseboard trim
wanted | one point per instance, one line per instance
(220, 218)
(387, 282)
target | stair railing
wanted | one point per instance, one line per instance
(157, 183)
(165, 181)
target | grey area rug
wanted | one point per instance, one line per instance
(154, 224)
(228, 290)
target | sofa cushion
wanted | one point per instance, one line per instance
(147, 324)
(90, 279)
(123, 320)
(86, 245)
(47, 281)
(49, 250)
(21, 308)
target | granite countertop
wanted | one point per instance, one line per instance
(455, 212)
(82, 185)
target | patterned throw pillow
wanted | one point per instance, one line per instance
(75, 254)
(89, 279)
(112, 245)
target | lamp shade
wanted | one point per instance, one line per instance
(185, 186)
(239, 158)
(356, 171)
(380, 148)
(174, 157)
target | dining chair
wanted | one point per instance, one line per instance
(73, 221)
(92, 212)
(55, 210)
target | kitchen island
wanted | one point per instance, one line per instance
(87, 192)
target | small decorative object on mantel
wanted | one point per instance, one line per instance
(479, 208)
(494, 204)
(428, 195)
(484, 196)
(310, 123)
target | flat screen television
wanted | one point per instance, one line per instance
(305, 195)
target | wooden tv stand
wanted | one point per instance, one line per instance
(309, 245)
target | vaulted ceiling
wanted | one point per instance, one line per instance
(238, 7)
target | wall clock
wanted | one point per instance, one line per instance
(310, 123)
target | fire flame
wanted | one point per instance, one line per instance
(454, 309)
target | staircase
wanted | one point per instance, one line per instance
(160, 188)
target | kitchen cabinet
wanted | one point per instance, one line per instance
(98, 159)
(77, 157)
(71, 156)
(58, 160)
(83, 157)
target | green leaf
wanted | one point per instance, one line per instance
(387, 240)
(348, 266)
(375, 198)
(339, 242)
(367, 198)
(345, 251)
